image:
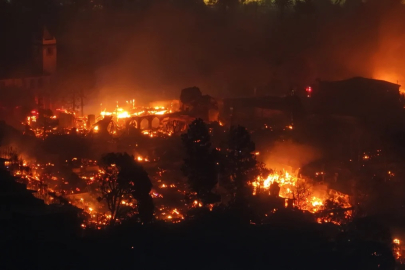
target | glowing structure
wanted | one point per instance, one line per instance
(306, 196)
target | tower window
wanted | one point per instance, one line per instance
(49, 51)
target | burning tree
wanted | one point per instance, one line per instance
(199, 165)
(240, 161)
(332, 211)
(123, 179)
(301, 193)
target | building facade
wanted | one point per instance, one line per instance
(37, 78)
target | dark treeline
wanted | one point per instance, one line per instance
(218, 241)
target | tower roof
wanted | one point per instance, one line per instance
(46, 35)
(43, 36)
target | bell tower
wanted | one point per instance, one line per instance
(45, 52)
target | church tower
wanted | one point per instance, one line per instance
(45, 52)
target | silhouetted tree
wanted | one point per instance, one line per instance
(145, 208)
(124, 179)
(353, 3)
(261, 171)
(301, 192)
(304, 7)
(224, 5)
(282, 5)
(199, 165)
(333, 211)
(240, 161)
(338, 2)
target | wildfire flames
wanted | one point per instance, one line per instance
(398, 250)
(305, 195)
(121, 113)
(300, 193)
(144, 118)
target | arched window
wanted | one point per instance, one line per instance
(155, 123)
(144, 124)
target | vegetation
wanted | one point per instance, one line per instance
(199, 165)
(125, 179)
(239, 163)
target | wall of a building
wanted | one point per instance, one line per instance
(49, 58)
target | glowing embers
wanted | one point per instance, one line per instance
(398, 250)
(142, 159)
(121, 113)
(172, 215)
(284, 179)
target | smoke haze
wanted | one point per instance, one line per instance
(154, 53)
(289, 155)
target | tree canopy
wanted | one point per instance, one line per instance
(240, 161)
(199, 165)
(125, 179)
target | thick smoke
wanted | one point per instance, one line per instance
(165, 49)
(171, 49)
(152, 54)
(289, 156)
(367, 41)
(388, 60)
